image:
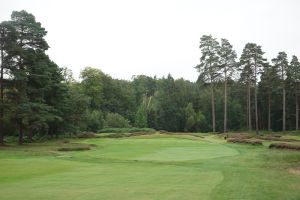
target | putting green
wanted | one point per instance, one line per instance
(157, 149)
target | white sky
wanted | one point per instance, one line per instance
(157, 37)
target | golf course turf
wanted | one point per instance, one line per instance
(148, 167)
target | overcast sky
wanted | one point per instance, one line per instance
(157, 37)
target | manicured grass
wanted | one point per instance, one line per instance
(149, 167)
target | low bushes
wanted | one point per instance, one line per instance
(284, 146)
(171, 133)
(126, 130)
(238, 136)
(276, 138)
(78, 148)
(86, 135)
(244, 141)
(120, 135)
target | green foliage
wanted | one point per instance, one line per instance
(92, 85)
(41, 99)
(115, 120)
(193, 120)
(141, 117)
(209, 61)
(95, 120)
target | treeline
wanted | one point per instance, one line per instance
(271, 89)
(38, 98)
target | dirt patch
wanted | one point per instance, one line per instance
(295, 186)
(244, 141)
(238, 136)
(295, 171)
(284, 146)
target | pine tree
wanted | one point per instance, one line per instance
(252, 62)
(281, 63)
(209, 67)
(228, 65)
(294, 70)
(269, 85)
(30, 45)
(7, 42)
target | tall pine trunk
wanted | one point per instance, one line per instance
(255, 96)
(283, 109)
(29, 135)
(21, 134)
(249, 107)
(269, 112)
(297, 107)
(247, 111)
(2, 99)
(213, 105)
(225, 102)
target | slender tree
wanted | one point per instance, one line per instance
(252, 62)
(228, 65)
(281, 63)
(269, 85)
(295, 76)
(209, 67)
(7, 42)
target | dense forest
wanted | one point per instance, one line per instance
(39, 98)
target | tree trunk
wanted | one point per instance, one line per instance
(297, 107)
(225, 102)
(283, 109)
(2, 98)
(30, 134)
(21, 134)
(255, 96)
(247, 111)
(249, 108)
(213, 106)
(269, 112)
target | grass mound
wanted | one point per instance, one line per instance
(276, 138)
(170, 133)
(86, 135)
(80, 148)
(244, 141)
(284, 146)
(240, 136)
(126, 130)
(121, 135)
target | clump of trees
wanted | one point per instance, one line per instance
(39, 98)
(261, 81)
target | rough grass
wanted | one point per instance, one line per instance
(148, 167)
(86, 135)
(126, 130)
(244, 141)
(121, 135)
(285, 146)
(73, 148)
